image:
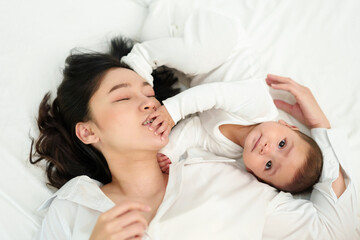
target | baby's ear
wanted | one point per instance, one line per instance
(85, 133)
(288, 125)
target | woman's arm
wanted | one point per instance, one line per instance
(208, 39)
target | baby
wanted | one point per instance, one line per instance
(275, 152)
(235, 115)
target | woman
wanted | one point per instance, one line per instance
(95, 128)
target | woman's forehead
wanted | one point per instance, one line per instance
(117, 76)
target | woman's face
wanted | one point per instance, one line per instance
(118, 110)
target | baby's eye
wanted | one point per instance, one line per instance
(268, 165)
(282, 143)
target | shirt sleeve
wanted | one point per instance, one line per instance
(58, 221)
(249, 99)
(208, 39)
(325, 216)
(186, 134)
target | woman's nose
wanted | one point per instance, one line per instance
(148, 104)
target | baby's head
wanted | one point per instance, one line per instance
(282, 156)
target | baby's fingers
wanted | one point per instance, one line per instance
(166, 133)
(165, 169)
(162, 158)
(163, 164)
(157, 121)
(162, 128)
(153, 115)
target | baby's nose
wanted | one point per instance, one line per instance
(265, 148)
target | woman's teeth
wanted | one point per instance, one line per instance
(148, 121)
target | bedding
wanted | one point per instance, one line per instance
(314, 42)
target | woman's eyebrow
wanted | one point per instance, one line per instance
(146, 84)
(117, 86)
(124, 85)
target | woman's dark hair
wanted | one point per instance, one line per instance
(65, 155)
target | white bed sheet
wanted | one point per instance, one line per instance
(314, 42)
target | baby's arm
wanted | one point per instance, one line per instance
(186, 134)
(249, 99)
(208, 39)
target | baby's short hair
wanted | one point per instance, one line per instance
(310, 171)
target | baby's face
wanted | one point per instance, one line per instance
(273, 152)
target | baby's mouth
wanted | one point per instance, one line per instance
(256, 143)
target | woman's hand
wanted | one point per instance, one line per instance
(123, 221)
(164, 162)
(162, 122)
(306, 109)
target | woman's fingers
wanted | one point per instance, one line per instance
(271, 78)
(130, 218)
(116, 221)
(123, 208)
(133, 231)
(286, 87)
(283, 105)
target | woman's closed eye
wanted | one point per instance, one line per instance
(128, 98)
(121, 99)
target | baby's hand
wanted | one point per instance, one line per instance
(162, 122)
(164, 162)
(306, 109)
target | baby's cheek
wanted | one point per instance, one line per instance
(248, 169)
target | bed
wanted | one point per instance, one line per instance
(314, 42)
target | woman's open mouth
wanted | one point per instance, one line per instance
(148, 122)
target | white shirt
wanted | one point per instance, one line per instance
(241, 102)
(210, 197)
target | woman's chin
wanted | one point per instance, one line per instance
(157, 142)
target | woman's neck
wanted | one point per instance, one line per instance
(137, 175)
(236, 133)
